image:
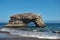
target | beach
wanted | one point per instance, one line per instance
(25, 38)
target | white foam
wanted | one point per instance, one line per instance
(44, 35)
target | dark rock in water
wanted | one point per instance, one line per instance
(56, 32)
(22, 20)
(5, 32)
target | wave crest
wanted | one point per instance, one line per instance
(45, 35)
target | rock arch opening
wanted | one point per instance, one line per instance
(31, 24)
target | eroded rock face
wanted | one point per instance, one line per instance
(22, 20)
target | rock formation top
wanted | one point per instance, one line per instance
(22, 20)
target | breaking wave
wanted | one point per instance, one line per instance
(45, 35)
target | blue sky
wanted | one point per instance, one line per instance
(49, 9)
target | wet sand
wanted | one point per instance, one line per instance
(25, 38)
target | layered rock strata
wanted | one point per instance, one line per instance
(22, 20)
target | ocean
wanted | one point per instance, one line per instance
(47, 32)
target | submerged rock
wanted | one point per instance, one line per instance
(56, 32)
(5, 32)
(22, 20)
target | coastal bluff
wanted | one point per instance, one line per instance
(22, 20)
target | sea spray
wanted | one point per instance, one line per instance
(45, 35)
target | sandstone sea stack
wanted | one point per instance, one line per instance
(22, 20)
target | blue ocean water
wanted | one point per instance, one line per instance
(49, 26)
(53, 26)
(34, 31)
(1, 24)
